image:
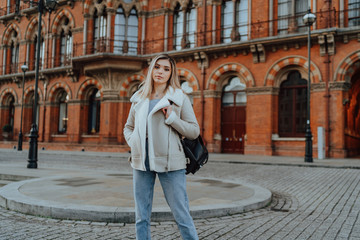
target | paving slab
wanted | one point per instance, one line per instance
(105, 196)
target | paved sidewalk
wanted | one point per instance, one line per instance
(352, 163)
(309, 200)
(107, 196)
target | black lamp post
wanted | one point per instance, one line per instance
(33, 147)
(308, 19)
(24, 68)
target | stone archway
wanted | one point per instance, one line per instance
(352, 113)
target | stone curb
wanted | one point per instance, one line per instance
(12, 199)
(310, 165)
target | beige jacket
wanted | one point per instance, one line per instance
(165, 149)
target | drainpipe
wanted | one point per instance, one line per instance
(203, 74)
(204, 23)
(327, 92)
(327, 106)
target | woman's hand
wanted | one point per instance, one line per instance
(167, 111)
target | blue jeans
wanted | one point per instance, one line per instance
(174, 187)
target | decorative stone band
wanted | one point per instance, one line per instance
(339, 86)
(262, 91)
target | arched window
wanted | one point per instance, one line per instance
(184, 26)
(64, 44)
(352, 106)
(12, 53)
(94, 111)
(284, 14)
(100, 27)
(301, 8)
(126, 32)
(191, 24)
(10, 109)
(178, 29)
(120, 30)
(96, 29)
(65, 48)
(234, 21)
(62, 101)
(292, 106)
(234, 93)
(34, 52)
(132, 32)
(14, 57)
(242, 19)
(354, 12)
(11, 112)
(226, 21)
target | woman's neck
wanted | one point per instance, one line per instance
(159, 90)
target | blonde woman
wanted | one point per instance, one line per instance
(160, 111)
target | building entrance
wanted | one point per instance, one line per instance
(233, 117)
(352, 121)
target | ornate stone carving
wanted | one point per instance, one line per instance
(258, 52)
(327, 44)
(111, 81)
(342, 86)
(72, 74)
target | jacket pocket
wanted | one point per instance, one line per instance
(135, 145)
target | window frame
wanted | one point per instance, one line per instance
(94, 103)
(62, 103)
(125, 24)
(178, 25)
(293, 126)
(353, 13)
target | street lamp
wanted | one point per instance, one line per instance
(308, 19)
(24, 68)
(33, 146)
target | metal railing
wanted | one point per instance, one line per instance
(255, 30)
(46, 63)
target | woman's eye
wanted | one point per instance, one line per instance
(157, 67)
(167, 69)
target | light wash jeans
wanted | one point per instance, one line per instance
(174, 187)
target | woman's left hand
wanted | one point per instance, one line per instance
(167, 111)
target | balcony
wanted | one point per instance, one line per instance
(219, 41)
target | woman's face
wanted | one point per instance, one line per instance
(161, 72)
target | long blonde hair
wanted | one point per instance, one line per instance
(147, 87)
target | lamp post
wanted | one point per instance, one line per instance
(24, 68)
(33, 146)
(308, 19)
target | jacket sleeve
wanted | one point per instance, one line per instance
(186, 125)
(130, 124)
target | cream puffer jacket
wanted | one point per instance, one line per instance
(165, 149)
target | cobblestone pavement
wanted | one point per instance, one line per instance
(309, 203)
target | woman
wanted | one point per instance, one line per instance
(160, 111)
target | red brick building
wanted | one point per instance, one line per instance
(243, 62)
